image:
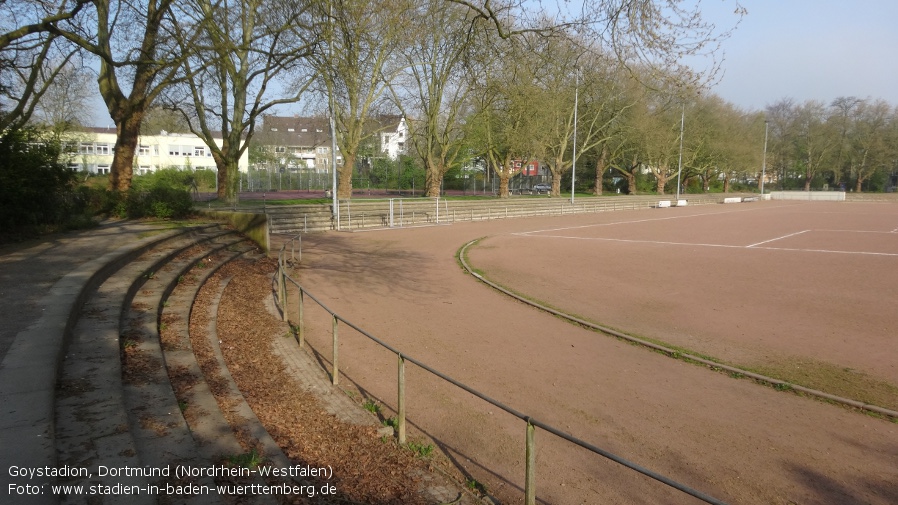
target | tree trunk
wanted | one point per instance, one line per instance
(344, 177)
(631, 183)
(726, 183)
(556, 169)
(504, 178)
(122, 169)
(222, 178)
(433, 178)
(232, 168)
(807, 183)
(228, 164)
(662, 181)
(601, 167)
(860, 183)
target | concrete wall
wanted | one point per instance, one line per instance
(254, 226)
(820, 196)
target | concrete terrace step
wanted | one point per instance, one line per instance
(93, 425)
(31, 366)
(161, 434)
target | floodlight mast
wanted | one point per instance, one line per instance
(680, 164)
(764, 161)
(335, 206)
(576, 100)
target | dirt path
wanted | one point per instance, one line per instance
(733, 439)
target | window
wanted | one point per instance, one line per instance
(182, 151)
(291, 129)
(102, 148)
(280, 149)
(102, 169)
(322, 150)
(85, 148)
(143, 150)
(274, 129)
(199, 151)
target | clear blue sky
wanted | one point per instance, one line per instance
(808, 50)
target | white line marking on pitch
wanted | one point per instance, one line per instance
(860, 231)
(864, 253)
(596, 225)
(660, 242)
(691, 244)
(779, 238)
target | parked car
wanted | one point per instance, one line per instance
(541, 188)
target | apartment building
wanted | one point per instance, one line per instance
(91, 150)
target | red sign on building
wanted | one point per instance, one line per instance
(531, 168)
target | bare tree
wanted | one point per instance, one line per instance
(356, 60)
(233, 54)
(136, 63)
(66, 102)
(815, 140)
(159, 118)
(780, 117)
(659, 134)
(843, 118)
(433, 90)
(874, 146)
(722, 142)
(502, 128)
(31, 55)
(566, 74)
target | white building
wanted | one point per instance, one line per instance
(394, 136)
(298, 144)
(92, 151)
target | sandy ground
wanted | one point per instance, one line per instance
(730, 438)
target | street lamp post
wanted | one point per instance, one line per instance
(576, 103)
(764, 161)
(680, 163)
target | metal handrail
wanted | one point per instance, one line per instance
(530, 464)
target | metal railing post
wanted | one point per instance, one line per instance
(301, 330)
(284, 299)
(530, 475)
(336, 372)
(280, 278)
(280, 300)
(400, 414)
